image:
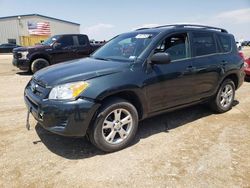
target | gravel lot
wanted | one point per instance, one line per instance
(188, 148)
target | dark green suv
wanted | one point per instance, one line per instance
(134, 76)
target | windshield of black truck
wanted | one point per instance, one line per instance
(125, 47)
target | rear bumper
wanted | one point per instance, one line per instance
(67, 118)
(22, 64)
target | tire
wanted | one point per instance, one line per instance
(38, 64)
(108, 133)
(223, 101)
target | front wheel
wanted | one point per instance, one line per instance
(38, 64)
(115, 126)
(224, 98)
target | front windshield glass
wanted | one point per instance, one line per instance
(50, 40)
(125, 47)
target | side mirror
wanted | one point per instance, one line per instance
(161, 58)
(57, 45)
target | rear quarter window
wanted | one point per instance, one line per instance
(225, 43)
(203, 44)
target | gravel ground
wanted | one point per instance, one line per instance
(188, 148)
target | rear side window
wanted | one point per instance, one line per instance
(203, 44)
(81, 40)
(225, 42)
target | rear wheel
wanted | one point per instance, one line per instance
(115, 126)
(224, 98)
(38, 64)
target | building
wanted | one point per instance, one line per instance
(30, 29)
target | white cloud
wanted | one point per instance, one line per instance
(227, 18)
(236, 16)
(99, 31)
(235, 21)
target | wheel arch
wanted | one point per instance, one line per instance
(37, 56)
(234, 77)
(130, 96)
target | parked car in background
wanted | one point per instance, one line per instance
(246, 65)
(7, 48)
(134, 76)
(56, 49)
(245, 43)
(97, 42)
(238, 44)
(247, 68)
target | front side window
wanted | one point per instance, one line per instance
(225, 42)
(66, 41)
(125, 47)
(176, 46)
(203, 44)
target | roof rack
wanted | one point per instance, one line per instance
(188, 25)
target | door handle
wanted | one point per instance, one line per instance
(224, 63)
(190, 68)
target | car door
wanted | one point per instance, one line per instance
(170, 85)
(63, 49)
(206, 63)
(83, 47)
(9, 47)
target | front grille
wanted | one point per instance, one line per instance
(32, 103)
(38, 88)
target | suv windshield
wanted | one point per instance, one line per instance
(125, 47)
(50, 40)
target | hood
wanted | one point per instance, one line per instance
(77, 70)
(31, 48)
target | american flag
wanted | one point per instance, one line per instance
(39, 28)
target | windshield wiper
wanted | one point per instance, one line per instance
(101, 58)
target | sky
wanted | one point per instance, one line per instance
(104, 19)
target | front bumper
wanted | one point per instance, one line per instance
(67, 118)
(22, 64)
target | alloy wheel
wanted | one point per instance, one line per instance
(117, 126)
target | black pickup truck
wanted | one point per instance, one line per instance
(56, 49)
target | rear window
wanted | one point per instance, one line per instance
(81, 40)
(226, 43)
(203, 44)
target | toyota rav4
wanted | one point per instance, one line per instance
(134, 76)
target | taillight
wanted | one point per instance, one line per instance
(241, 55)
(246, 65)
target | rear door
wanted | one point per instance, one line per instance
(206, 63)
(82, 48)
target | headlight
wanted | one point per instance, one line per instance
(23, 55)
(68, 91)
